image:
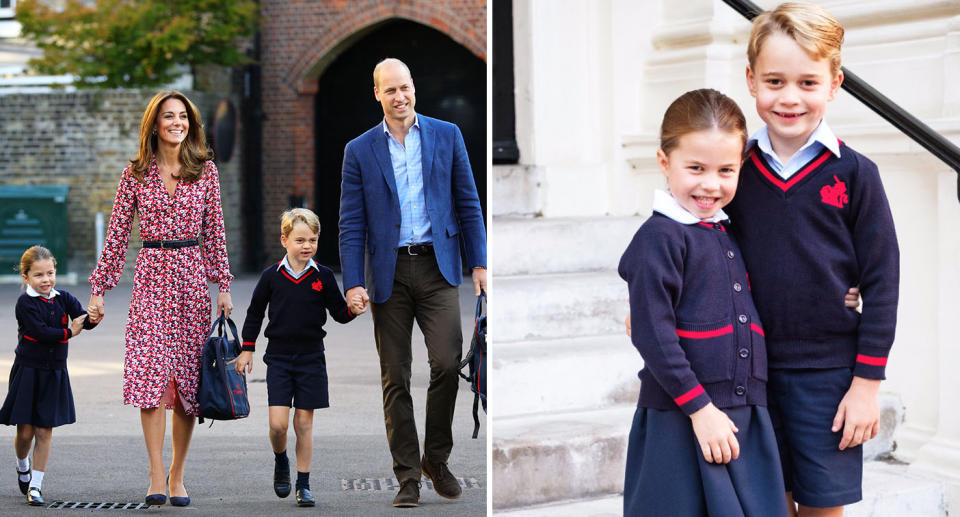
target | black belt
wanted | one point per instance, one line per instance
(416, 249)
(171, 245)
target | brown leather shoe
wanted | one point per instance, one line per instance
(409, 494)
(444, 482)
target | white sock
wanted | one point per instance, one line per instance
(23, 465)
(37, 479)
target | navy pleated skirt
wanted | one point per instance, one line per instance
(667, 475)
(38, 396)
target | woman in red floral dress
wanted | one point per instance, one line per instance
(173, 187)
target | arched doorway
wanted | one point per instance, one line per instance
(450, 83)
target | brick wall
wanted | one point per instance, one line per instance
(84, 139)
(298, 40)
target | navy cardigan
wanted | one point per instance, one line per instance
(806, 241)
(43, 329)
(692, 318)
(297, 312)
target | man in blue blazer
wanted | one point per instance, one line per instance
(409, 199)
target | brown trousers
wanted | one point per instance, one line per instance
(419, 293)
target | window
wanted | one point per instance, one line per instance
(7, 8)
(504, 117)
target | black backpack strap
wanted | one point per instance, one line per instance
(476, 416)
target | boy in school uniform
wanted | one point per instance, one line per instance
(299, 293)
(813, 220)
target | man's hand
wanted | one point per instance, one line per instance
(242, 362)
(479, 280)
(357, 299)
(716, 434)
(858, 413)
(627, 323)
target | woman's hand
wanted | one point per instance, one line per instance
(224, 304)
(95, 309)
(716, 434)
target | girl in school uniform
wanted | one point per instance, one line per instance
(702, 442)
(39, 397)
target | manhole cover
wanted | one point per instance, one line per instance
(392, 484)
(78, 505)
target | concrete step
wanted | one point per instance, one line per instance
(555, 306)
(564, 374)
(531, 246)
(518, 189)
(888, 491)
(549, 457)
(579, 454)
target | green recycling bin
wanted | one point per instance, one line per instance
(32, 214)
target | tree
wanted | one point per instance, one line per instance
(135, 43)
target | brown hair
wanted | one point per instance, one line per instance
(811, 26)
(303, 215)
(33, 255)
(700, 110)
(193, 150)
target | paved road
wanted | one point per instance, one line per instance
(101, 458)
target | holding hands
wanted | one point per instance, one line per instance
(95, 308)
(357, 300)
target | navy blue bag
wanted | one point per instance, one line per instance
(477, 361)
(223, 392)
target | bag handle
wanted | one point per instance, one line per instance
(218, 328)
(480, 299)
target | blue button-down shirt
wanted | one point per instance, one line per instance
(285, 264)
(408, 172)
(821, 138)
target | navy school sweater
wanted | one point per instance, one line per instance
(297, 310)
(692, 318)
(43, 329)
(806, 241)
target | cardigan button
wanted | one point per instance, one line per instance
(744, 353)
(742, 318)
(737, 287)
(740, 390)
(730, 254)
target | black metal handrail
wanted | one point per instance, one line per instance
(883, 106)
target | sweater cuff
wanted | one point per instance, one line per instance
(693, 400)
(248, 346)
(871, 364)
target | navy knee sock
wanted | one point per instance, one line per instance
(281, 459)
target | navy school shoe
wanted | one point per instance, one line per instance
(24, 485)
(34, 498)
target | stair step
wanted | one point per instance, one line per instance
(531, 246)
(549, 457)
(888, 491)
(564, 374)
(518, 189)
(555, 306)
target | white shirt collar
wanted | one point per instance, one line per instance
(285, 263)
(823, 134)
(666, 204)
(32, 292)
(416, 123)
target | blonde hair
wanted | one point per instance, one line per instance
(193, 150)
(303, 215)
(811, 26)
(700, 110)
(33, 255)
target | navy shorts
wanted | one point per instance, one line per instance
(802, 405)
(298, 380)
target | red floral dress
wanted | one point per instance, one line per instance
(170, 307)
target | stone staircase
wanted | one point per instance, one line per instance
(564, 378)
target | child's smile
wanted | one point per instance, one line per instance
(42, 277)
(702, 170)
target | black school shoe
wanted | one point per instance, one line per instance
(24, 485)
(305, 498)
(34, 498)
(281, 479)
